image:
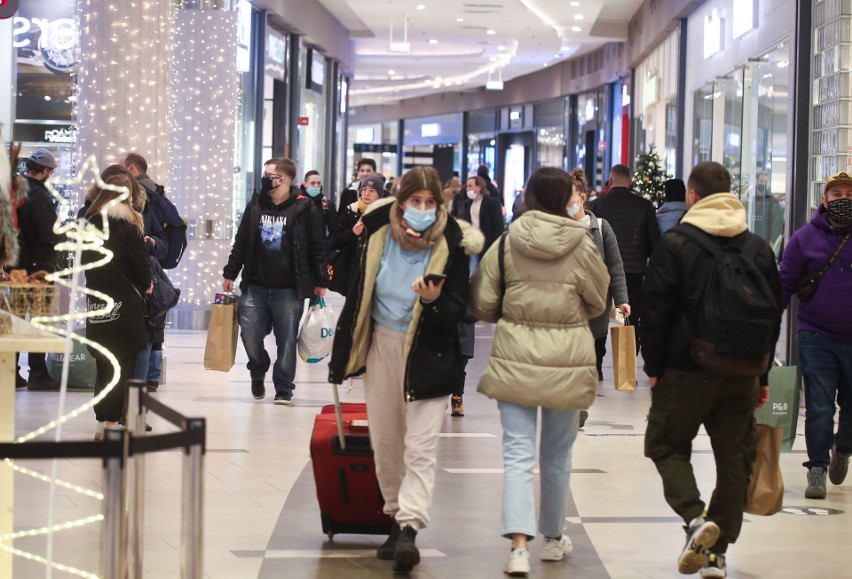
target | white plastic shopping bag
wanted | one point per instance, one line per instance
(317, 334)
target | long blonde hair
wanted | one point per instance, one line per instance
(117, 176)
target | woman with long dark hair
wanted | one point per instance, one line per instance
(541, 284)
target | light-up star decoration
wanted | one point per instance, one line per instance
(81, 236)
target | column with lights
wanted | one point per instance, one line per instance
(201, 166)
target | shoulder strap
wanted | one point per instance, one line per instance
(501, 262)
(700, 237)
(836, 254)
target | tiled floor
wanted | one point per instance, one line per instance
(261, 518)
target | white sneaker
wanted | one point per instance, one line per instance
(99, 432)
(555, 549)
(716, 566)
(518, 564)
(701, 535)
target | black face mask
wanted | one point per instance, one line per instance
(761, 189)
(840, 211)
(266, 184)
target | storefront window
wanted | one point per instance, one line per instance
(312, 115)
(591, 135)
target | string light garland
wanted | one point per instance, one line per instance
(649, 177)
(81, 235)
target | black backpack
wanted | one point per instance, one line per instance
(165, 296)
(736, 319)
(173, 224)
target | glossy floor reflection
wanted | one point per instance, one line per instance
(261, 517)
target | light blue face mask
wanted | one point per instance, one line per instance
(313, 191)
(418, 219)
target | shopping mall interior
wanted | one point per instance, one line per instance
(209, 90)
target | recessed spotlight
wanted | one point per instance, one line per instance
(391, 72)
(493, 59)
(490, 31)
(576, 28)
(501, 48)
(459, 19)
(433, 41)
(47, 97)
(439, 79)
(555, 56)
(578, 17)
(574, 4)
(421, 7)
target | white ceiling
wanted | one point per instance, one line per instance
(527, 35)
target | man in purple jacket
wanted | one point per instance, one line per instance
(825, 331)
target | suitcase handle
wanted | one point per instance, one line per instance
(338, 413)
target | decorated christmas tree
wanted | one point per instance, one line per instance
(649, 177)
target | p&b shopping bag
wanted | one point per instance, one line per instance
(624, 356)
(317, 334)
(782, 409)
(221, 346)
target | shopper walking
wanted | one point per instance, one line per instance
(125, 278)
(687, 391)
(825, 330)
(399, 325)
(542, 292)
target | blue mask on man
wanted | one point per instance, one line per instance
(313, 191)
(419, 220)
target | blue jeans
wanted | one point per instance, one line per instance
(827, 371)
(141, 372)
(155, 363)
(558, 432)
(264, 310)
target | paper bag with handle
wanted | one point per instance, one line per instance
(765, 495)
(624, 356)
(221, 349)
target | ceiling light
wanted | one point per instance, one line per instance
(501, 48)
(782, 64)
(578, 17)
(490, 31)
(576, 28)
(433, 41)
(493, 58)
(459, 19)
(421, 7)
(391, 72)
(574, 3)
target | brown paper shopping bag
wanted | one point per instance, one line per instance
(221, 346)
(624, 357)
(765, 494)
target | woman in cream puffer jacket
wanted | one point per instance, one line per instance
(543, 354)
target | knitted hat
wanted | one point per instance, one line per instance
(675, 190)
(44, 158)
(374, 180)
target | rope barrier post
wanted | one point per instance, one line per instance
(114, 531)
(135, 480)
(192, 505)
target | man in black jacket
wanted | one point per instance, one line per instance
(685, 396)
(366, 167)
(36, 218)
(279, 247)
(634, 222)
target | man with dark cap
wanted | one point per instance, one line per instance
(37, 240)
(670, 212)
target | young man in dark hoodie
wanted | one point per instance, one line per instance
(279, 248)
(825, 331)
(312, 187)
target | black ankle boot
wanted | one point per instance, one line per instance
(406, 555)
(386, 551)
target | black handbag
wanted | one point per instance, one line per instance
(165, 296)
(809, 284)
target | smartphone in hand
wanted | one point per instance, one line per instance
(434, 278)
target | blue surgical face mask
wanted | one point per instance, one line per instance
(313, 191)
(418, 219)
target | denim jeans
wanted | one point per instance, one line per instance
(264, 310)
(827, 371)
(155, 363)
(141, 372)
(558, 432)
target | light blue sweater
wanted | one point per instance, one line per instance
(394, 300)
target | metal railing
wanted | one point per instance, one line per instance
(123, 453)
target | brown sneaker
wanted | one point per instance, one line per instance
(457, 406)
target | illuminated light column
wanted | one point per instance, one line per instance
(204, 111)
(124, 81)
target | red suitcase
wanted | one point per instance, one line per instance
(345, 474)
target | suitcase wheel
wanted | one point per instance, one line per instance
(330, 536)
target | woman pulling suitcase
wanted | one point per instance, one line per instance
(399, 329)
